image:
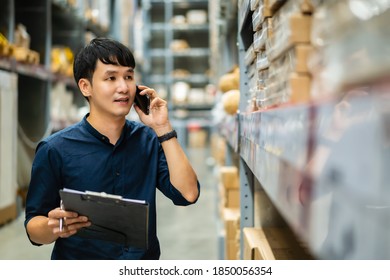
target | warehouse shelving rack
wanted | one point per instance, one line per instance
(160, 61)
(49, 23)
(323, 173)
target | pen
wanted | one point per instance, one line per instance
(61, 219)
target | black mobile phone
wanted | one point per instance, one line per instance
(142, 101)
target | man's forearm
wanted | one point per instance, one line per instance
(182, 175)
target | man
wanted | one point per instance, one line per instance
(105, 152)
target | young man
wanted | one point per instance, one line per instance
(105, 152)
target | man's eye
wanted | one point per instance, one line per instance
(129, 77)
(110, 78)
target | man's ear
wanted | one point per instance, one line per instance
(85, 87)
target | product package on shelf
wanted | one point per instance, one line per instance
(306, 6)
(289, 27)
(21, 51)
(262, 61)
(351, 49)
(262, 30)
(252, 84)
(62, 60)
(261, 100)
(288, 87)
(254, 4)
(274, 5)
(260, 37)
(196, 17)
(256, 19)
(265, 8)
(261, 44)
(250, 55)
(286, 56)
(6, 49)
(287, 79)
(26, 55)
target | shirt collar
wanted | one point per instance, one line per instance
(100, 136)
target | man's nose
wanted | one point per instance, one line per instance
(122, 85)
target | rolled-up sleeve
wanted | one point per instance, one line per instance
(164, 183)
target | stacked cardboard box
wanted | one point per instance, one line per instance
(229, 187)
(282, 41)
(231, 218)
(230, 209)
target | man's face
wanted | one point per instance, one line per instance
(112, 90)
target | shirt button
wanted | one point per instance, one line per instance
(117, 174)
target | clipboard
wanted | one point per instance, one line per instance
(113, 218)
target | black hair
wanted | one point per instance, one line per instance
(108, 51)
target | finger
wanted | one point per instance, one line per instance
(158, 103)
(58, 213)
(66, 232)
(80, 219)
(77, 226)
(69, 230)
(151, 93)
(144, 90)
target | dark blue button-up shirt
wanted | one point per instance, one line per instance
(81, 158)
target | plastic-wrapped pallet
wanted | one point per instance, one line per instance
(8, 140)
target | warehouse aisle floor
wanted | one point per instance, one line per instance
(185, 233)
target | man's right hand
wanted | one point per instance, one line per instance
(72, 222)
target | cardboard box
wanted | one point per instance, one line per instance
(229, 177)
(232, 250)
(272, 244)
(252, 240)
(275, 4)
(231, 218)
(8, 214)
(299, 86)
(232, 198)
(288, 32)
(306, 6)
(228, 198)
(218, 148)
(300, 27)
(197, 138)
(295, 59)
(290, 88)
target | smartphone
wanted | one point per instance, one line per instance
(142, 101)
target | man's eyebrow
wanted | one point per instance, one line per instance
(110, 72)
